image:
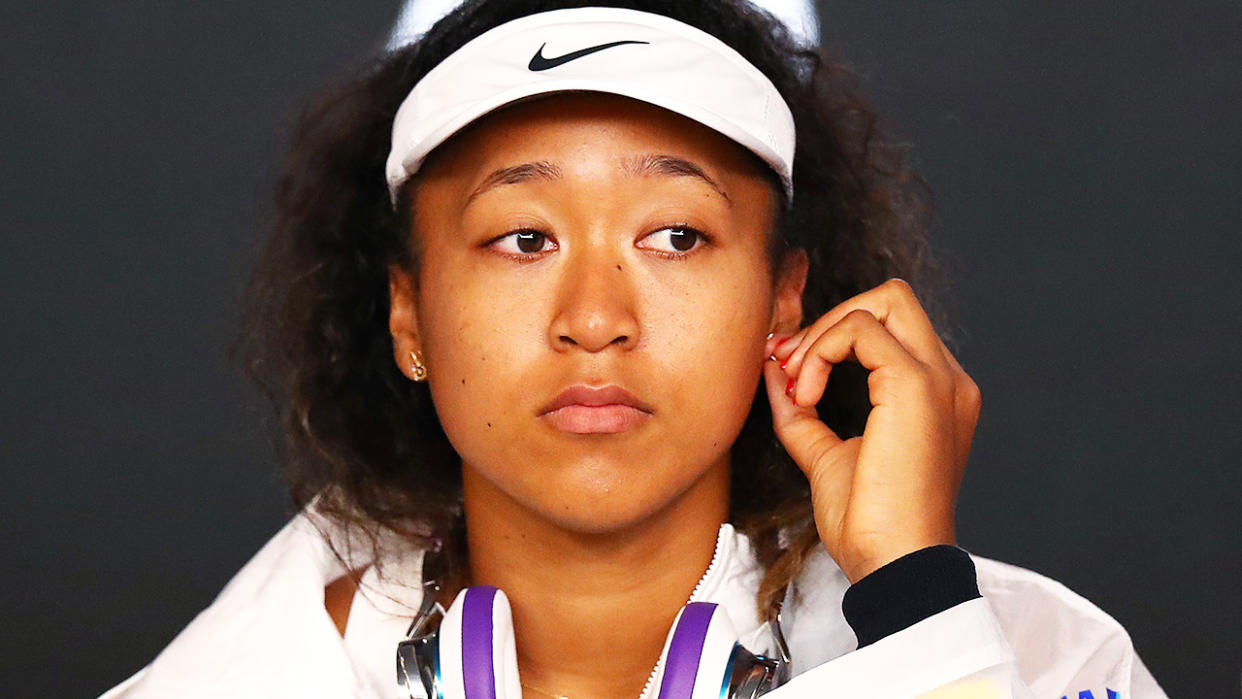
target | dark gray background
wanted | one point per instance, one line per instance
(1085, 158)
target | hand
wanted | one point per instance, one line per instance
(892, 490)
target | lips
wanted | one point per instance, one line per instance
(585, 410)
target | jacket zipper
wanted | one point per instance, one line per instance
(694, 595)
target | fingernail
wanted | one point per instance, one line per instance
(790, 387)
(780, 342)
(772, 357)
(770, 335)
(784, 363)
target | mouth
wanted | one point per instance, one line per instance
(582, 409)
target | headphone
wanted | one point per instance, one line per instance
(469, 652)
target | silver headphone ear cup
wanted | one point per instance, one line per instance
(418, 668)
(697, 654)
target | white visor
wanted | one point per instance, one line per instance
(648, 57)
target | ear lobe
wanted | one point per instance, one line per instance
(402, 318)
(791, 282)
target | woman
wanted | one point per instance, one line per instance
(527, 277)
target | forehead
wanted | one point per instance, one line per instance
(587, 123)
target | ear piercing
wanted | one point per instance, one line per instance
(417, 368)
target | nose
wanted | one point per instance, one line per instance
(595, 303)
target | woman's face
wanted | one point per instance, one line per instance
(588, 240)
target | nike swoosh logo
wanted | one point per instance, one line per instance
(540, 62)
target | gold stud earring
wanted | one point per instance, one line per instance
(417, 368)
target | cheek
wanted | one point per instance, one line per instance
(712, 342)
(477, 346)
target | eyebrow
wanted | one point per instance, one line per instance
(638, 166)
(526, 172)
(671, 166)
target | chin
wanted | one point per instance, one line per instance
(621, 501)
(598, 493)
(598, 517)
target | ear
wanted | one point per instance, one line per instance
(403, 318)
(787, 302)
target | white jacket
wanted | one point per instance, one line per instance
(268, 635)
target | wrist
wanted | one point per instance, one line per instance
(907, 590)
(864, 562)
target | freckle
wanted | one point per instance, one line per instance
(463, 382)
(489, 424)
(618, 268)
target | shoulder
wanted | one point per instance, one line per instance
(260, 633)
(1060, 639)
(1025, 599)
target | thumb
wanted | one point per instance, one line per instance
(799, 428)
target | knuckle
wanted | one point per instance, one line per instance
(970, 390)
(969, 394)
(902, 292)
(899, 285)
(859, 316)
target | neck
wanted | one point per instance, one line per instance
(591, 610)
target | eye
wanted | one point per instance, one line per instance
(522, 243)
(675, 241)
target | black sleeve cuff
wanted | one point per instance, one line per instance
(908, 590)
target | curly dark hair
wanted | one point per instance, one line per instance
(366, 442)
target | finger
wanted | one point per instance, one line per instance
(780, 343)
(799, 429)
(894, 304)
(861, 336)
